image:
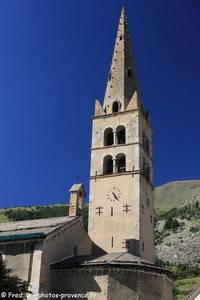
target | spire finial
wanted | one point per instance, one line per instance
(123, 9)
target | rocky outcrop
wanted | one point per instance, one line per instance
(182, 246)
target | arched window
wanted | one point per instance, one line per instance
(121, 135)
(108, 137)
(108, 165)
(120, 163)
(115, 107)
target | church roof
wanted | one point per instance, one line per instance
(110, 259)
(31, 229)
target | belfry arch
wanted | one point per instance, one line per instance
(121, 135)
(108, 137)
(120, 163)
(107, 165)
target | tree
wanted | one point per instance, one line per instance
(10, 283)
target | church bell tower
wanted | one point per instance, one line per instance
(121, 192)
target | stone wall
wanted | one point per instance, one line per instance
(24, 258)
(116, 283)
(70, 240)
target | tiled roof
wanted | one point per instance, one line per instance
(108, 259)
(124, 260)
(38, 228)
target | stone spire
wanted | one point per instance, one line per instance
(122, 86)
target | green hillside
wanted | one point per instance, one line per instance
(38, 212)
(33, 212)
(176, 194)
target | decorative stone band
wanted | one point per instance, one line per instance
(122, 113)
(114, 114)
(132, 173)
(114, 268)
(122, 145)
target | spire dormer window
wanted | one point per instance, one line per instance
(115, 107)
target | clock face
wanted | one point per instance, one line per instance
(114, 194)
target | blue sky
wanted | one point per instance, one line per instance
(54, 61)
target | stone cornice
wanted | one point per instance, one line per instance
(104, 269)
(123, 145)
(122, 113)
(132, 173)
(116, 114)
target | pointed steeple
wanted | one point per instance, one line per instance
(122, 86)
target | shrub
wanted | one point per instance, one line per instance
(194, 229)
(171, 223)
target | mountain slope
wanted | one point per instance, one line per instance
(176, 194)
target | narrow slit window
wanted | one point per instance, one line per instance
(111, 212)
(112, 242)
(129, 72)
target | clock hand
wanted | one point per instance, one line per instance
(115, 196)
